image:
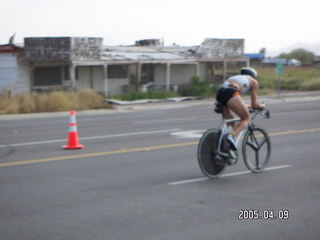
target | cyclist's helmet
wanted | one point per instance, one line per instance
(249, 71)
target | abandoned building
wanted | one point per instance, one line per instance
(50, 63)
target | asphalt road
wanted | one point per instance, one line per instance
(138, 178)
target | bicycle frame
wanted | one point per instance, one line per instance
(224, 128)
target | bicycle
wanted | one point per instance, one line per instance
(214, 152)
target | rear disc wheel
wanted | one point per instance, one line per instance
(210, 164)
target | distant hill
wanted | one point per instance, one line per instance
(315, 48)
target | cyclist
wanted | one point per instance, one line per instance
(229, 96)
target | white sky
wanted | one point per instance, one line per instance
(272, 24)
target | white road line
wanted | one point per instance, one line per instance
(197, 134)
(225, 175)
(166, 120)
(90, 138)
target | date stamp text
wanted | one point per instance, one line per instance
(255, 214)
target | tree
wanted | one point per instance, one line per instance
(263, 51)
(300, 54)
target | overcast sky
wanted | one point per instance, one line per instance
(272, 24)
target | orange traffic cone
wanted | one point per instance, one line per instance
(73, 142)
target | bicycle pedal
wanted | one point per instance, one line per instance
(233, 158)
(233, 154)
(224, 155)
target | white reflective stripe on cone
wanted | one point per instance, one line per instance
(72, 119)
(73, 129)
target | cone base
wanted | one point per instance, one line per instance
(73, 147)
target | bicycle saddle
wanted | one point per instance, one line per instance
(218, 108)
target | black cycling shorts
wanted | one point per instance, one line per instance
(225, 94)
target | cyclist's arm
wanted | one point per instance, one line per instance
(254, 95)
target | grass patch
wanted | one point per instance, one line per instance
(293, 78)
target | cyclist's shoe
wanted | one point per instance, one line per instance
(232, 142)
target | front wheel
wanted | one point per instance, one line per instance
(256, 149)
(210, 163)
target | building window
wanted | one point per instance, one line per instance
(47, 76)
(117, 71)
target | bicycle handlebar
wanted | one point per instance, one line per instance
(264, 112)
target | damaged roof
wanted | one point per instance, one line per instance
(137, 53)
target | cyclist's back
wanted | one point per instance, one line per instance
(242, 80)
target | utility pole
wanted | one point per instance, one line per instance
(279, 72)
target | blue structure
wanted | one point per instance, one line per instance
(255, 56)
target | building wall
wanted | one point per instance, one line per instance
(8, 72)
(182, 73)
(119, 86)
(14, 76)
(205, 72)
(220, 48)
(62, 48)
(92, 77)
(179, 74)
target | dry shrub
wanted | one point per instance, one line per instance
(27, 103)
(89, 99)
(41, 102)
(312, 84)
(59, 101)
(8, 105)
(55, 101)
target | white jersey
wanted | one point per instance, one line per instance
(243, 81)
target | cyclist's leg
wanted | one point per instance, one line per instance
(238, 106)
(227, 114)
(223, 96)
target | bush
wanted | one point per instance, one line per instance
(145, 95)
(197, 88)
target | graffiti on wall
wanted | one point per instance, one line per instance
(62, 48)
(221, 48)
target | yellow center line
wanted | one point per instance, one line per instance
(131, 150)
(96, 154)
(311, 130)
